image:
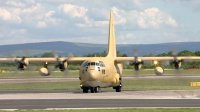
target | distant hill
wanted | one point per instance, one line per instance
(79, 49)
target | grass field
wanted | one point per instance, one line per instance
(128, 84)
(117, 110)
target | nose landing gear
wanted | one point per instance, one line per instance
(94, 89)
(118, 88)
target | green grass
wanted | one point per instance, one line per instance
(128, 84)
(118, 110)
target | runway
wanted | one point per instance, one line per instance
(104, 99)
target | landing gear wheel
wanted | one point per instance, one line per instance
(91, 89)
(118, 89)
(85, 89)
(96, 89)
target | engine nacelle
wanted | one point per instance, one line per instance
(44, 71)
(159, 71)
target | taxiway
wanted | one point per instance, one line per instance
(104, 99)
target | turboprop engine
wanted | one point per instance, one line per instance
(137, 64)
(22, 64)
(158, 70)
(61, 64)
(44, 71)
(177, 63)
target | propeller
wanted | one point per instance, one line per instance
(61, 63)
(22, 63)
(176, 61)
(136, 62)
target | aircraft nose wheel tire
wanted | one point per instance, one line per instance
(96, 89)
(85, 89)
(118, 89)
(91, 89)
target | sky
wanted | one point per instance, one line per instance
(86, 21)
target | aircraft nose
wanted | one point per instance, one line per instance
(92, 75)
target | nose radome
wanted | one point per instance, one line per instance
(93, 75)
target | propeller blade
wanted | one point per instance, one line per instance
(16, 72)
(26, 53)
(174, 51)
(178, 72)
(137, 73)
(126, 63)
(165, 63)
(67, 73)
(31, 67)
(135, 51)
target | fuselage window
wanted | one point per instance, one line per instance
(88, 64)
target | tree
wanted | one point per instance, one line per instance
(47, 54)
(197, 53)
(185, 53)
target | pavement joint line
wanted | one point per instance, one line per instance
(101, 108)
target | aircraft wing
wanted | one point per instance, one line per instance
(73, 60)
(184, 58)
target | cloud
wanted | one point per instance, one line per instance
(151, 18)
(72, 10)
(1, 36)
(7, 16)
(41, 24)
(136, 21)
(15, 4)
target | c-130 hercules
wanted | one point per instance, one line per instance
(99, 72)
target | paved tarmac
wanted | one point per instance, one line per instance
(98, 103)
(104, 99)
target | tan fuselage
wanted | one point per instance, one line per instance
(100, 76)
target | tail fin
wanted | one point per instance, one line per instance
(111, 38)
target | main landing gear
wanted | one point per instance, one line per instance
(92, 89)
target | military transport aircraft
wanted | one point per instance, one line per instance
(99, 72)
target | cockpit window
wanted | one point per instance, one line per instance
(92, 63)
(97, 64)
(85, 64)
(101, 64)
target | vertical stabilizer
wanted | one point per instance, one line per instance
(111, 38)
